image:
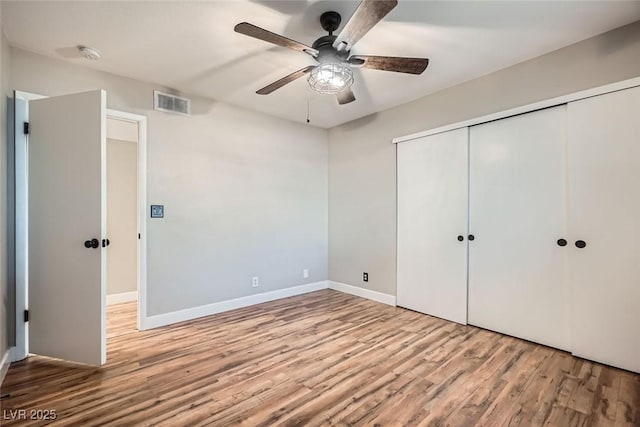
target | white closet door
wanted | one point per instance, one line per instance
(432, 214)
(518, 273)
(604, 212)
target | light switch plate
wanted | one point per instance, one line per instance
(157, 211)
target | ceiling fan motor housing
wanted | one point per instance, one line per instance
(330, 22)
(327, 53)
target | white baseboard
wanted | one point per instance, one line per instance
(123, 297)
(362, 292)
(219, 307)
(4, 364)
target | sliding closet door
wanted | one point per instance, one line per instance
(432, 225)
(604, 215)
(518, 275)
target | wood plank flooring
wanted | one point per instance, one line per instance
(321, 359)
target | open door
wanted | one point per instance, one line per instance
(66, 227)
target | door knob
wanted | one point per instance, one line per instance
(93, 243)
(580, 244)
(562, 242)
(471, 237)
(460, 238)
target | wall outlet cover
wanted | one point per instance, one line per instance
(305, 273)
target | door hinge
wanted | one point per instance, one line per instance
(26, 316)
(25, 128)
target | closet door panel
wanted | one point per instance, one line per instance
(518, 273)
(432, 213)
(604, 212)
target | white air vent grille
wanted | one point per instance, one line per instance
(171, 103)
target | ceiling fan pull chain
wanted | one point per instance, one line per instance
(308, 121)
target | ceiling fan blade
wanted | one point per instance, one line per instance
(285, 80)
(368, 14)
(390, 63)
(267, 36)
(345, 97)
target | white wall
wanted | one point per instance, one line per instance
(362, 160)
(245, 194)
(122, 215)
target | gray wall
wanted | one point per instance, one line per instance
(6, 294)
(122, 215)
(362, 160)
(245, 194)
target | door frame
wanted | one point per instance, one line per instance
(141, 121)
(21, 349)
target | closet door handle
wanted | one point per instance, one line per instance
(562, 242)
(460, 238)
(471, 237)
(580, 244)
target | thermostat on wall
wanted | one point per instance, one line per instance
(157, 211)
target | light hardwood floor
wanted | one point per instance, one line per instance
(324, 358)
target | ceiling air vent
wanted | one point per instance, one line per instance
(171, 103)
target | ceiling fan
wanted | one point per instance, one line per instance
(333, 74)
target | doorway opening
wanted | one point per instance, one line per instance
(127, 142)
(122, 212)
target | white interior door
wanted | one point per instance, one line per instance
(432, 225)
(66, 207)
(518, 273)
(604, 212)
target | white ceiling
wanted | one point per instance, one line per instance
(191, 46)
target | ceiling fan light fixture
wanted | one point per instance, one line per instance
(330, 78)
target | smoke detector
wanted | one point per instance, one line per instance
(90, 53)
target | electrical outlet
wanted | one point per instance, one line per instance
(365, 277)
(255, 281)
(305, 273)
